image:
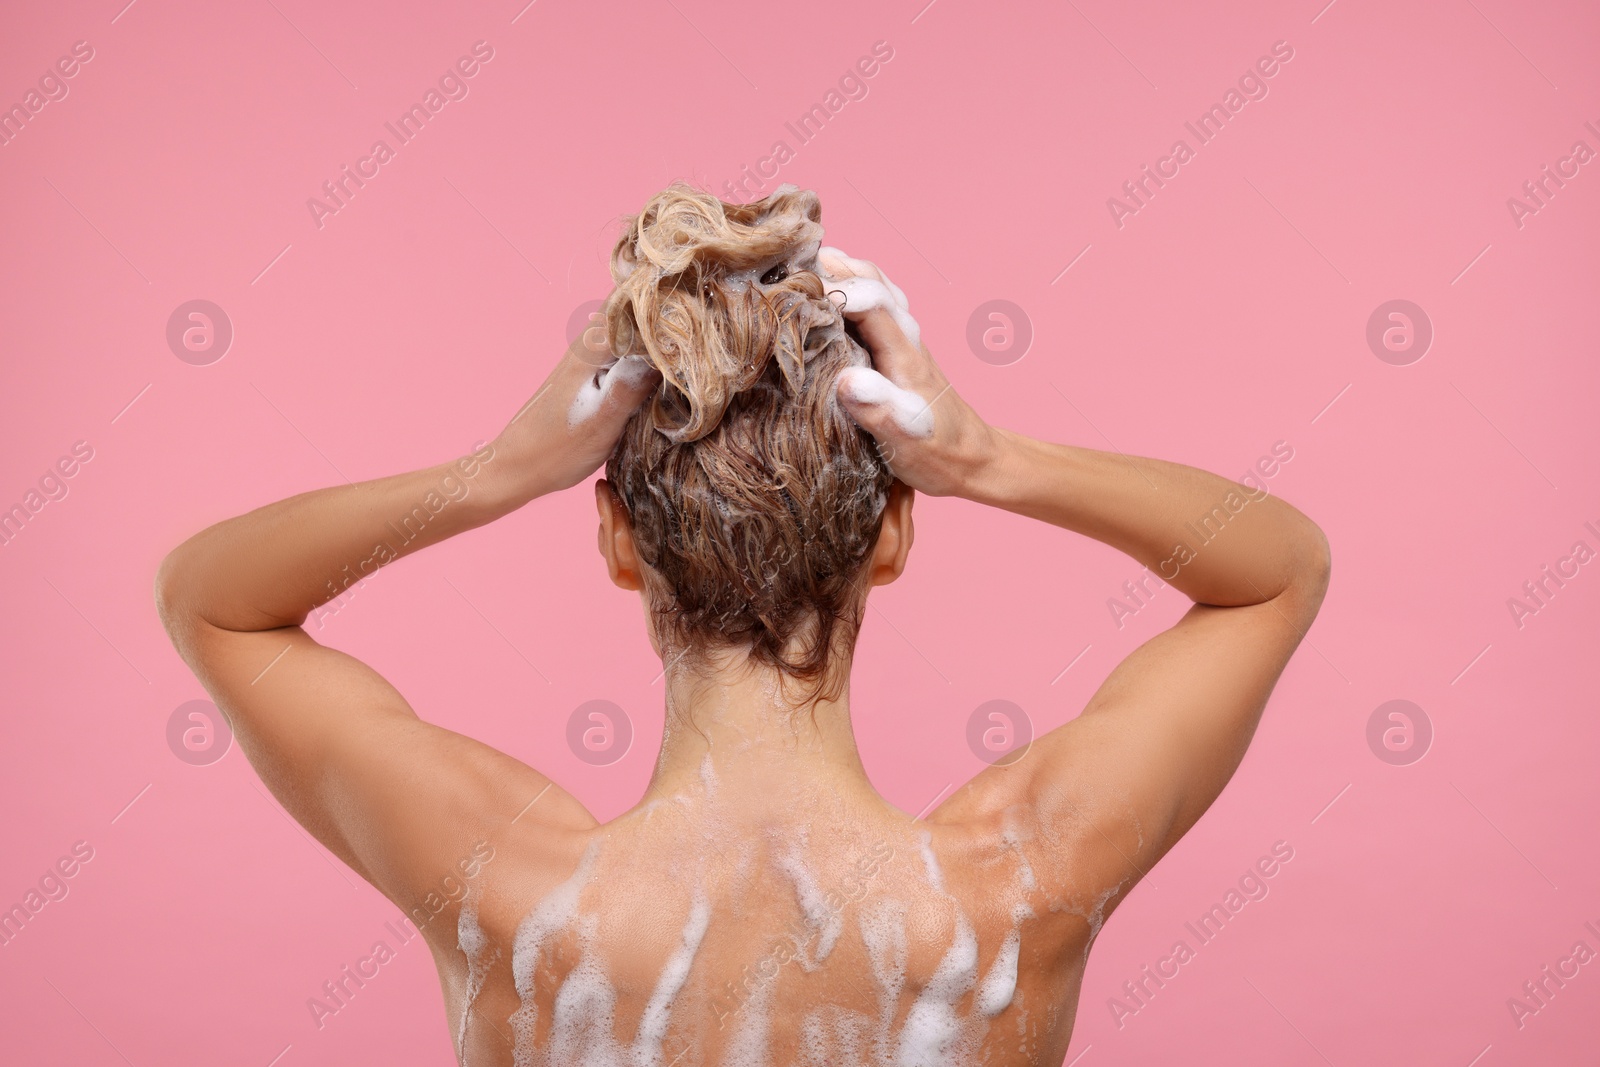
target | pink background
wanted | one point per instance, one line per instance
(1224, 316)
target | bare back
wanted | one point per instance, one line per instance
(857, 937)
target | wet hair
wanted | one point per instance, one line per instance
(752, 495)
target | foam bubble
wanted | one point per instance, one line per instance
(657, 1013)
(584, 1013)
(865, 294)
(932, 1026)
(748, 1045)
(628, 371)
(912, 415)
(474, 944)
(930, 863)
(851, 265)
(883, 930)
(834, 1035)
(814, 1044)
(825, 922)
(554, 912)
(1011, 838)
(999, 985)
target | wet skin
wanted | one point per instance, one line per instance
(761, 904)
(854, 935)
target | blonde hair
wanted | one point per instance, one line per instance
(752, 495)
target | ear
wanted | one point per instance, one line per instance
(616, 538)
(894, 536)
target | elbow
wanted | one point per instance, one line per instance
(171, 588)
(1315, 566)
(1322, 558)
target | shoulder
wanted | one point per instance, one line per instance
(503, 829)
(1042, 849)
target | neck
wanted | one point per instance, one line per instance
(737, 739)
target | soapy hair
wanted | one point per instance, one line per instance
(752, 495)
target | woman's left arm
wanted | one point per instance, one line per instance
(400, 800)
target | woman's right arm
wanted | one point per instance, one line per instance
(1116, 787)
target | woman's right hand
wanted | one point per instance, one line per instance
(933, 440)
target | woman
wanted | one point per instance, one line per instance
(761, 904)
